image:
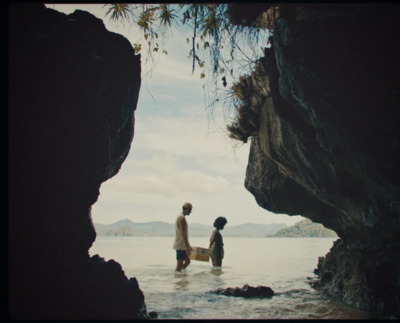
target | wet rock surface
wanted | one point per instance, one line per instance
(246, 291)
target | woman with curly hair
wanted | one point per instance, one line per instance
(216, 243)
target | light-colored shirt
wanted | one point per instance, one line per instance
(179, 243)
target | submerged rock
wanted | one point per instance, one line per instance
(246, 291)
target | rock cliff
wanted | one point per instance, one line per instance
(305, 228)
(73, 89)
(326, 144)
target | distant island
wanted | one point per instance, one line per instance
(162, 229)
(304, 228)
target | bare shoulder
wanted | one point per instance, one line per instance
(213, 234)
(181, 220)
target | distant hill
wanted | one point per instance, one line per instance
(162, 229)
(251, 229)
(305, 228)
(128, 228)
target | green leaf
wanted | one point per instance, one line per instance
(137, 47)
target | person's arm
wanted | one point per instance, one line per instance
(183, 228)
(212, 239)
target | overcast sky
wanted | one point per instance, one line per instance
(180, 153)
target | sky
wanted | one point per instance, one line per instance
(181, 151)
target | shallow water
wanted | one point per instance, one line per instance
(284, 264)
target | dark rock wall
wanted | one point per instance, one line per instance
(328, 146)
(73, 89)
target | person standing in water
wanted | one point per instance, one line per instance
(181, 243)
(216, 243)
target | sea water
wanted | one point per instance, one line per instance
(284, 264)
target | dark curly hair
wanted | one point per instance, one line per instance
(220, 222)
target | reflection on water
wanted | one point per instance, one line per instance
(217, 271)
(201, 278)
(182, 284)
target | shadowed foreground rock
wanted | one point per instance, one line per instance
(246, 291)
(73, 89)
(326, 140)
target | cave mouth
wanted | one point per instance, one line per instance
(51, 134)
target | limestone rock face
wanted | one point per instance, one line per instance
(328, 147)
(73, 90)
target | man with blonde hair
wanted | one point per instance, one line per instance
(181, 243)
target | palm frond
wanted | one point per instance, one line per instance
(118, 11)
(166, 15)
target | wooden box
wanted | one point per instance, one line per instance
(200, 254)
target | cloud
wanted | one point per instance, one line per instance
(187, 135)
(172, 69)
(161, 175)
